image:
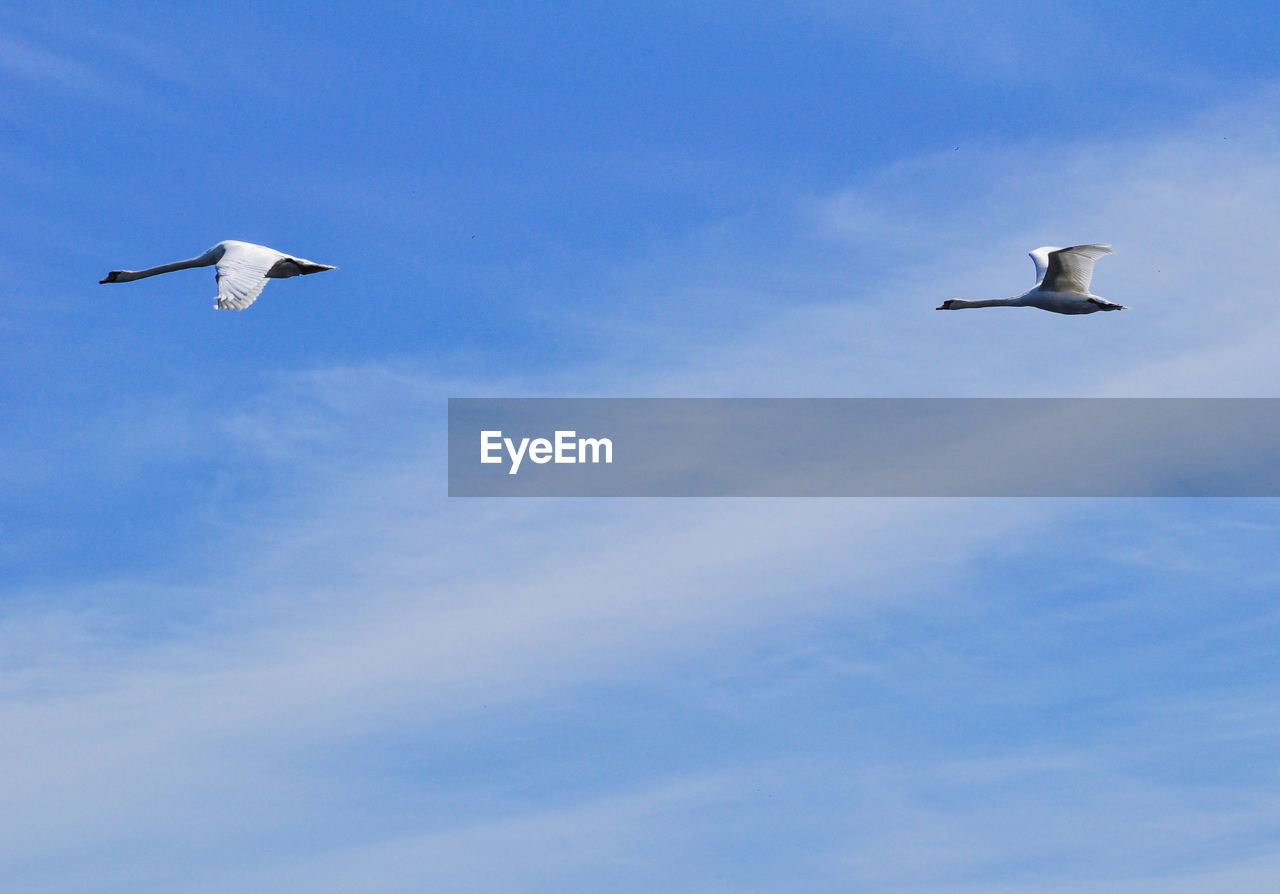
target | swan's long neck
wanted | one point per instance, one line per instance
(208, 258)
(1018, 301)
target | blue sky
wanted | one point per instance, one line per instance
(247, 642)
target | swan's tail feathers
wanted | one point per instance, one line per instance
(286, 267)
(1104, 304)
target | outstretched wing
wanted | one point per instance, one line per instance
(242, 274)
(1071, 269)
(1040, 257)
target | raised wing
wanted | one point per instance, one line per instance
(1071, 269)
(242, 274)
(1041, 259)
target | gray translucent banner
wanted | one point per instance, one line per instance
(864, 447)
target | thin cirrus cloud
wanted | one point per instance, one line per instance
(1191, 216)
(221, 721)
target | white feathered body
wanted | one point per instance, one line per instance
(1065, 302)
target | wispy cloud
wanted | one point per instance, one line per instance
(36, 65)
(186, 715)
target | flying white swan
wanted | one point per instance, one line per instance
(1062, 283)
(243, 269)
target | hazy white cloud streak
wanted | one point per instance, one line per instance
(367, 602)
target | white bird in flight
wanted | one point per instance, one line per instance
(1062, 283)
(243, 270)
